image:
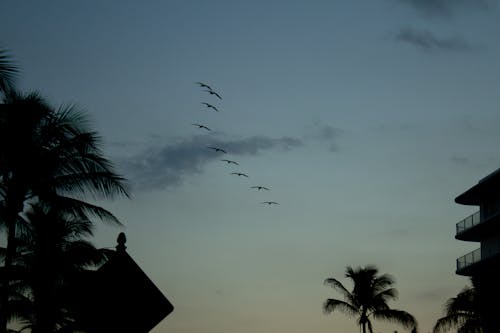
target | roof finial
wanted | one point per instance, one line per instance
(122, 239)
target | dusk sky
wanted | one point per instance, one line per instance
(365, 118)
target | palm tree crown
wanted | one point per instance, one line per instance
(461, 313)
(368, 298)
(48, 155)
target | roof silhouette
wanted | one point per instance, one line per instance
(120, 297)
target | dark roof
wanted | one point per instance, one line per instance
(485, 187)
(119, 297)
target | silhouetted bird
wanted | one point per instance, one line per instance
(202, 126)
(211, 92)
(210, 106)
(204, 85)
(218, 149)
(239, 174)
(231, 162)
(270, 202)
(260, 188)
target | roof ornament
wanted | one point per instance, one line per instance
(122, 239)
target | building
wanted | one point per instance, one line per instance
(119, 297)
(483, 264)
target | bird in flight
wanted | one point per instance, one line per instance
(270, 203)
(239, 174)
(204, 85)
(211, 92)
(210, 106)
(217, 149)
(260, 188)
(202, 126)
(230, 162)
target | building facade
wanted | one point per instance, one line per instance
(482, 264)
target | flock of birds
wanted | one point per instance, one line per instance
(212, 92)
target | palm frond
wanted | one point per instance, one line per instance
(444, 324)
(20, 308)
(84, 210)
(471, 326)
(84, 255)
(98, 184)
(402, 318)
(337, 285)
(31, 103)
(332, 304)
(72, 117)
(458, 320)
(461, 313)
(8, 71)
(382, 282)
(385, 295)
(463, 302)
(71, 146)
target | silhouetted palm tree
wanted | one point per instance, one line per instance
(368, 298)
(8, 71)
(52, 251)
(50, 155)
(461, 313)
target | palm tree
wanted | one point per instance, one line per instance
(8, 71)
(52, 251)
(368, 298)
(18, 140)
(48, 155)
(461, 313)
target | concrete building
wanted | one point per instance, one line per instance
(483, 264)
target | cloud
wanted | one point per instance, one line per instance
(327, 134)
(168, 165)
(436, 294)
(427, 41)
(475, 162)
(462, 161)
(445, 8)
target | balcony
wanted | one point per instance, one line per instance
(468, 222)
(468, 259)
(475, 229)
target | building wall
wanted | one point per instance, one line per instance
(490, 206)
(490, 247)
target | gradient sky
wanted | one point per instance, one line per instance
(366, 118)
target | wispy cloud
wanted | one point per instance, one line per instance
(326, 133)
(445, 8)
(459, 160)
(474, 162)
(428, 42)
(168, 165)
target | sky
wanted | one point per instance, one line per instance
(365, 118)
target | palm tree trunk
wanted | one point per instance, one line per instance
(363, 319)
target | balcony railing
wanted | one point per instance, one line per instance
(469, 259)
(468, 222)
